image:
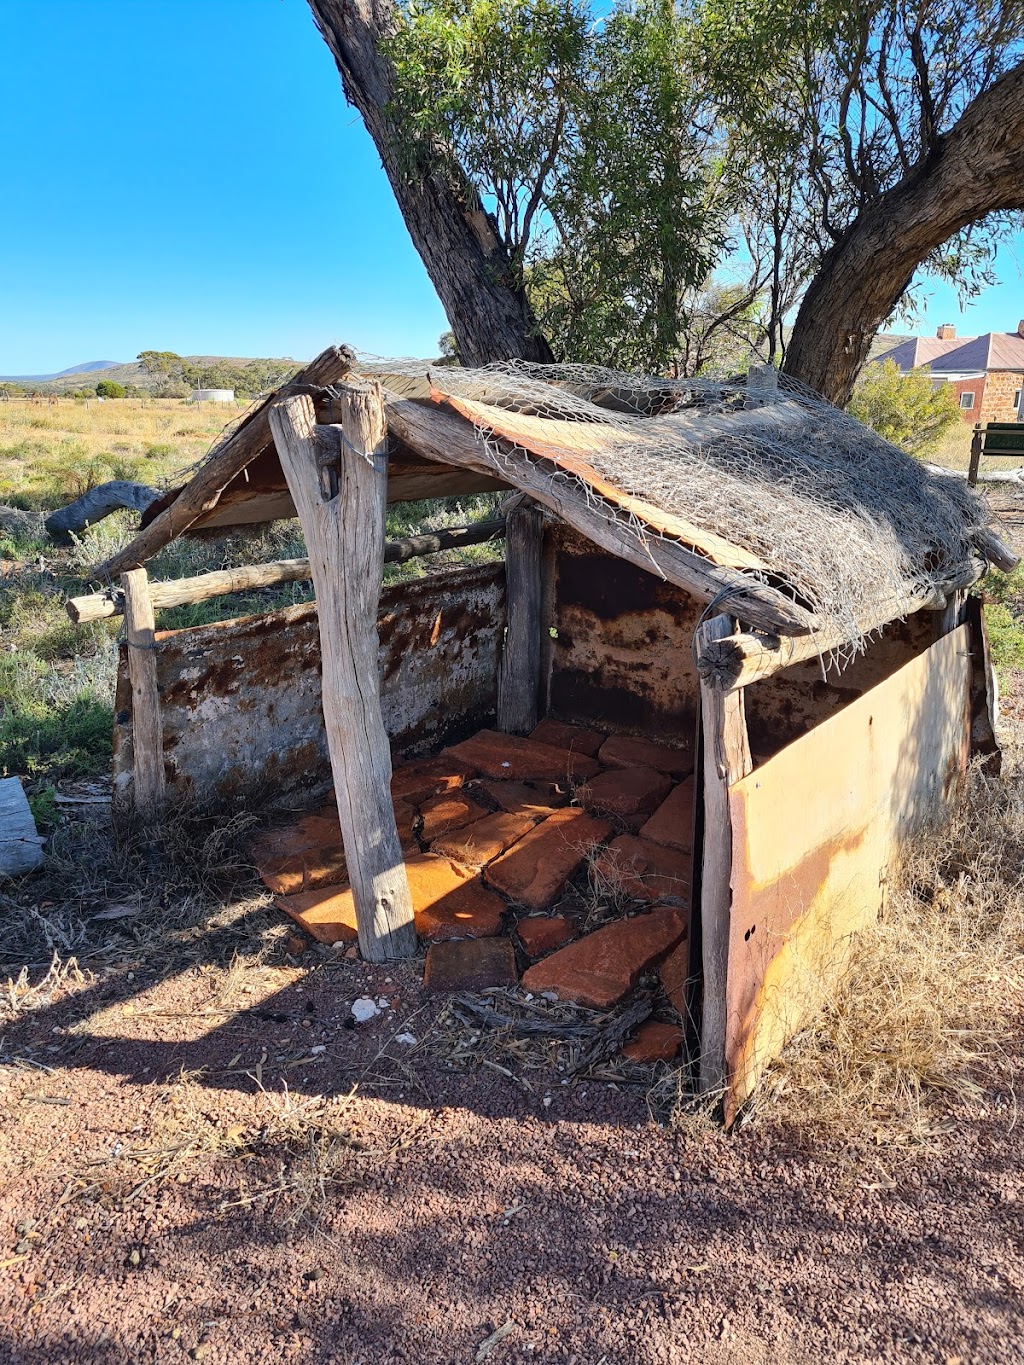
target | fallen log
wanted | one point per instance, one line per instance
(99, 502)
(984, 476)
(243, 445)
(180, 592)
(15, 522)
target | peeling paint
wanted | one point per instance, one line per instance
(240, 700)
(617, 643)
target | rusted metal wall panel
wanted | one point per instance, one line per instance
(785, 706)
(620, 657)
(240, 700)
(814, 833)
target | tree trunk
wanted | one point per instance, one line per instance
(467, 263)
(977, 168)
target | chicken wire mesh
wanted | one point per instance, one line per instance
(852, 525)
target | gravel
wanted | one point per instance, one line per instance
(186, 1173)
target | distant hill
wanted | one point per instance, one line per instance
(886, 341)
(87, 367)
(244, 373)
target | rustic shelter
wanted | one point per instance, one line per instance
(751, 605)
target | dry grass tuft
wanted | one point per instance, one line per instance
(920, 1023)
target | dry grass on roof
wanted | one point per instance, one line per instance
(851, 523)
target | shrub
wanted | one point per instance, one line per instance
(904, 408)
(110, 388)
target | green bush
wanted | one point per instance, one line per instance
(904, 408)
(110, 388)
(45, 735)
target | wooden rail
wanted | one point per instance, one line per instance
(180, 592)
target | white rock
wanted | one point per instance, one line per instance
(364, 1008)
(409, 1039)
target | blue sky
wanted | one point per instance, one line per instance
(185, 175)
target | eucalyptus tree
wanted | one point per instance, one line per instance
(649, 187)
(559, 175)
(888, 135)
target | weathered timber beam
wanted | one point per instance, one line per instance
(726, 760)
(439, 435)
(180, 592)
(248, 440)
(147, 735)
(996, 551)
(519, 670)
(735, 661)
(344, 529)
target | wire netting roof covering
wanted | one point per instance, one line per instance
(770, 480)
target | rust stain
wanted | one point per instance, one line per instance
(240, 700)
(621, 656)
(814, 831)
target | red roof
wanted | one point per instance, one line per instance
(960, 355)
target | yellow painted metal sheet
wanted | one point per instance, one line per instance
(814, 833)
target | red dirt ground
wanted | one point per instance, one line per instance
(160, 1140)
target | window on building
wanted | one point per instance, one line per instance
(967, 401)
(1016, 399)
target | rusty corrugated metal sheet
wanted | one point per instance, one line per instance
(787, 705)
(814, 832)
(620, 658)
(240, 700)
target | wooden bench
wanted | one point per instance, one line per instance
(995, 438)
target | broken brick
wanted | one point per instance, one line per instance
(563, 736)
(448, 902)
(480, 843)
(602, 968)
(447, 811)
(328, 915)
(627, 751)
(424, 778)
(525, 798)
(631, 794)
(470, 965)
(672, 823)
(301, 856)
(542, 934)
(654, 1042)
(643, 871)
(535, 870)
(673, 973)
(520, 760)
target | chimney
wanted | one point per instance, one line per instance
(1020, 328)
(947, 331)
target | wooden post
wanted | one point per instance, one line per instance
(955, 612)
(726, 760)
(147, 732)
(337, 476)
(977, 447)
(519, 672)
(764, 377)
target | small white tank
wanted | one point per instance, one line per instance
(212, 396)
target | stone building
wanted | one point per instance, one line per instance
(987, 372)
